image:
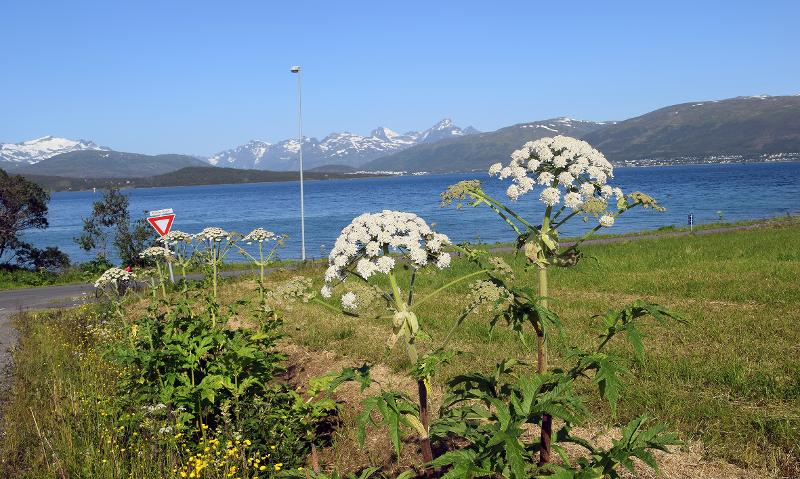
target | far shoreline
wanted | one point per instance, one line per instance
(382, 174)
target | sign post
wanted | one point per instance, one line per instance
(161, 221)
(691, 222)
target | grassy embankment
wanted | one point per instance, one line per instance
(24, 278)
(729, 378)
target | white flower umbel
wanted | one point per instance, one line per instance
(175, 236)
(566, 167)
(364, 246)
(212, 234)
(259, 235)
(156, 253)
(114, 277)
(214, 244)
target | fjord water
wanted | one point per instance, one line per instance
(732, 191)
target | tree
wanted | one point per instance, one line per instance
(110, 216)
(23, 205)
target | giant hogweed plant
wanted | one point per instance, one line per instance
(208, 376)
(573, 179)
(266, 255)
(379, 244)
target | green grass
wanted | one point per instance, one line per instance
(730, 377)
(23, 278)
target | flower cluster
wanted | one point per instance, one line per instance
(349, 301)
(156, 253)
(487, 293)
(296, 288)
(176, 236)
(115, 277)
(259, 235)
(212, 234)
(560, 163)
(367, 241)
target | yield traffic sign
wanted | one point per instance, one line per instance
(161, 221)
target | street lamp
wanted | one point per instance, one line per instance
(296, 69)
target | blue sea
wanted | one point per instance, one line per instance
(710, 192)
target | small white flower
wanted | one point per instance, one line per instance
(519, 156)
(443, 261)
(326, 291)
(385, 264)
(373, 249)
(565, 178)
(513, 192)
(607, 221)
(365, 268)
(495, 169)
(545, 178)
(419, 256)
(573, 200)
(550, 196)
(349, 301)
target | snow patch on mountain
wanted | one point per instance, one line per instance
(34, 151)
(343, 148)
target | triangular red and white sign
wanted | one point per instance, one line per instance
(162, 224)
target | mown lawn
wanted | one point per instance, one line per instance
(730, 377)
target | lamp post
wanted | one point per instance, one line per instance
(296, 69)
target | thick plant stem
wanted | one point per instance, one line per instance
(541, 368)
(161, 279)
(422, 391)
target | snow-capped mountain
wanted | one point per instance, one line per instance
(344, 148)
(34, 151)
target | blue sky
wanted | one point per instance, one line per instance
(198, 77)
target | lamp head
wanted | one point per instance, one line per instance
(295, 69)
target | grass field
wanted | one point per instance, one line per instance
(729, 378)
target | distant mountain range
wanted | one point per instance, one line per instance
(107, 164)
(477, 151)
(758, 128)
(737, 129)
(346, 149)
(742, 126)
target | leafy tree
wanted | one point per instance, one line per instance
(110, 216)
(23, 205)
(50, 259)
